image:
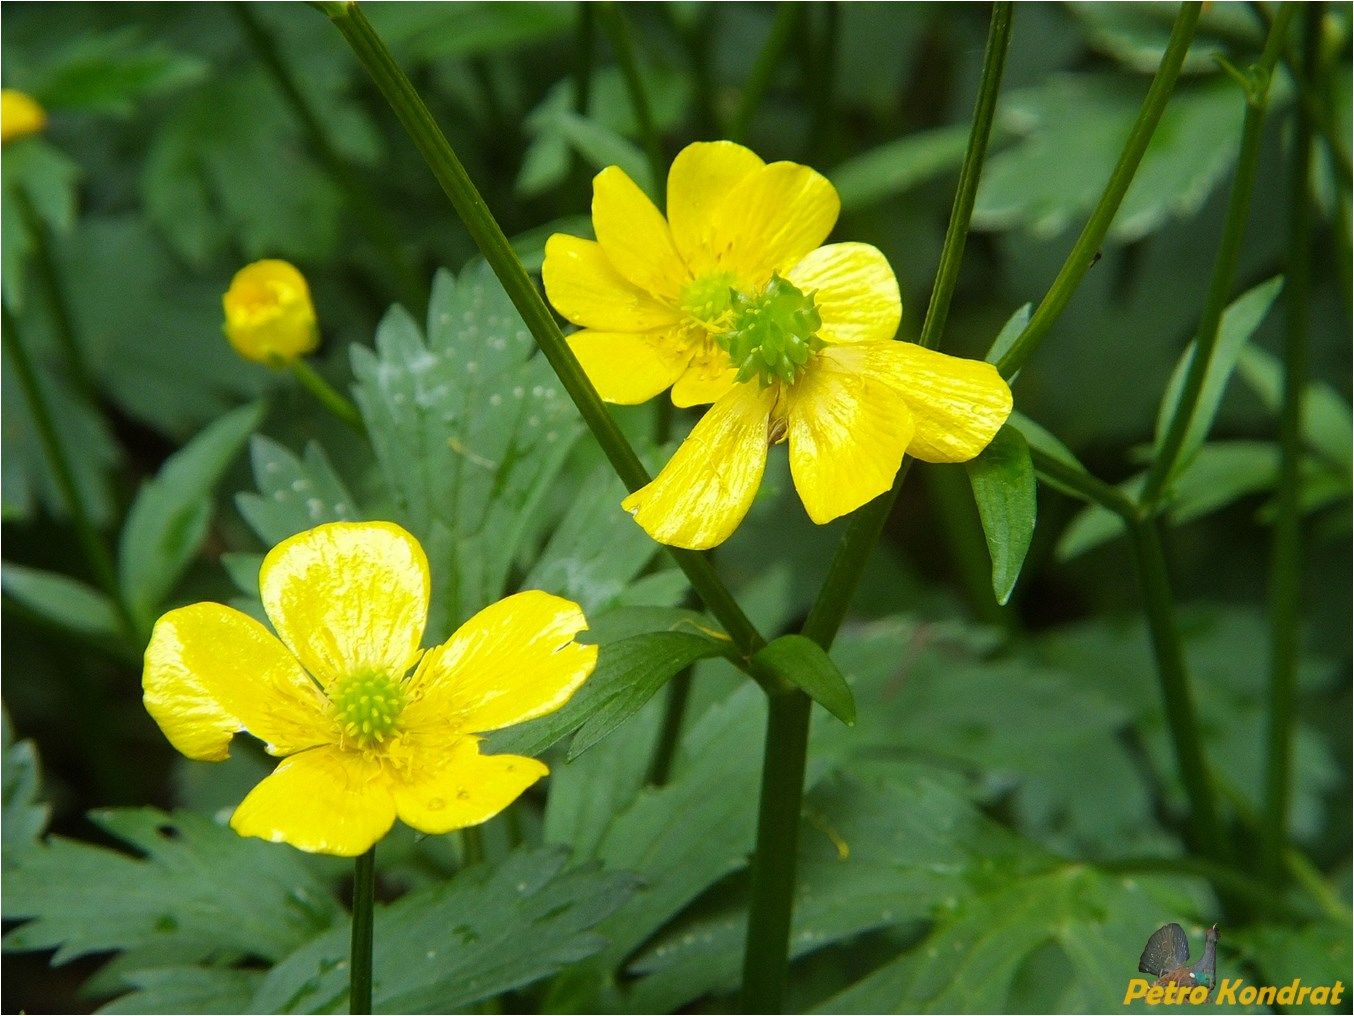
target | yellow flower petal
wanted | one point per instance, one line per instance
(513, 661)
(708, 379)
(269, 315)
(771, 219)
(20, 115)
(703, 493)
(855, 290)
(212, 672)
(348, 597)
(698, 182)
(848, 431)
(584, 288)
(451, 788)
(958, 405)
(326, 801)
(635, 236)
(629, 368)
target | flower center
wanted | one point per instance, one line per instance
(773, 333)
(368, 706)
(709, 298)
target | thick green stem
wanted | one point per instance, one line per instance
(96, 553)
(498, 252)
(1182, 717)
(1164, 462)
(766, 958)
(326, 395)
(586, 44)
(364, 900)
(360, 200)
(764, 69)
(866, 524)
(1285, 580)
(1084, 251)
(623, 46)
(677, 693)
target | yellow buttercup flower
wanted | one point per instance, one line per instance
(20, 115)
(370, 726)
(732, 300)
(269, 316)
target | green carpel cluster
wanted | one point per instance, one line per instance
(774, 333)
(368, 705)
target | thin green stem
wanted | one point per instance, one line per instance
(821, 83)
(1088, 243)
(764, 69)
(96, 552)
(867, 523)
(49, 274)
(586, 45)
(472, 845)
(361, 202)
(498, 252)
(1164, 462)
(1182, 717)
(677, 694)
(364, 900)
(325, 393)
(1285, 578)
(1089, 487)
(766, 958)
(695, 38)
(623, 46)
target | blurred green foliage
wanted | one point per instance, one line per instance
(1000, 830)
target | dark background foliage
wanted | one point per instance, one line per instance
(172, 157)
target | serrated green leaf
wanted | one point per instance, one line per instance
(24, 816)
(168, 520)
(295, 494)
(803, 663)
(1137, 34)
(199, 891)
(112, 72)
(62, 601)
(1239, 322)
(1002, 478)
(470, 430)
(1326, 423)
(485, 932)
(172, 990)
(897, 166)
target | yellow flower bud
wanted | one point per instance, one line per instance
(20, 115)
(269, 316)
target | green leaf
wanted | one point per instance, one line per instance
(1002, 478)
(470, 429)
(1136, 34)
(897, 166)
(1326, 425)
(62, 601)
(112, 73)
(1239, 322)
(24, 817)
(294, 494)
(1041, 440)
(172, 990)
(168, 520)
(1010, 331)
(198, 891)
(601, 146)
(484, 932)
(38, 178)
(421, 33)
(803, 663)
(1074, 128)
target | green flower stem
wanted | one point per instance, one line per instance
(325, 394)
(50, 275)
(1094, 490)
(623, 46)
(695, 39)
(766, 957)
(360, 199)
(488, 236)
(585, 46)
(1285, 578)
(676, 696)
(364, 899)
(1162, 470)
(472, 845)
(1182, 717)
(820, 82)
(1083, 252)
(866, 524)
(764, 69)
(96, 552)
